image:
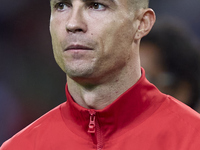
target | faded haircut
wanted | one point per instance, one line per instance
(137, 4)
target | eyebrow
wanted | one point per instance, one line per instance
(94, 0)
(84, 0)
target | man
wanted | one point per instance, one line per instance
(110, 104)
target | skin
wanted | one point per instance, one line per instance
(96, 43)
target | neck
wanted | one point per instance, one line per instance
(98, 96)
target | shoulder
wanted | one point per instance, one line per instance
(179, 121)
(26, 137)
(174, 124)
(177, 113)
(181, 111)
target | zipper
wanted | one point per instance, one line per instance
(91, 126)
(94, 129)
(99, 138)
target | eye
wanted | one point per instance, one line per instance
(61, 6)
(97, 6)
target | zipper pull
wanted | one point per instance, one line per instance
(91, 126)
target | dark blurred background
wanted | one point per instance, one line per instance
(31, 83)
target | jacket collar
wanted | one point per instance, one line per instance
(131, 108)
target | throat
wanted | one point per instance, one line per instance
(92, 100)
(93, 97)
(98, 96)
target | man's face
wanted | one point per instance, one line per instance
(92, 38)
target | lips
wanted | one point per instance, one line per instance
(78, 47)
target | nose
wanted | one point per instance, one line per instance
(76, 21)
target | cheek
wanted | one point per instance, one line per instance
(119, 35)
(57, 48)
(57, 31)
(57, 26)
(115, 50)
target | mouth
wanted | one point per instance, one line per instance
(78, 47)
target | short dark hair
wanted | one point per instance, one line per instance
(140, 3)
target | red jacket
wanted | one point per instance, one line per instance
(140, 119)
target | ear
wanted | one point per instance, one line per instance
(146, 19)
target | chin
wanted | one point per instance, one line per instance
(79, 73)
